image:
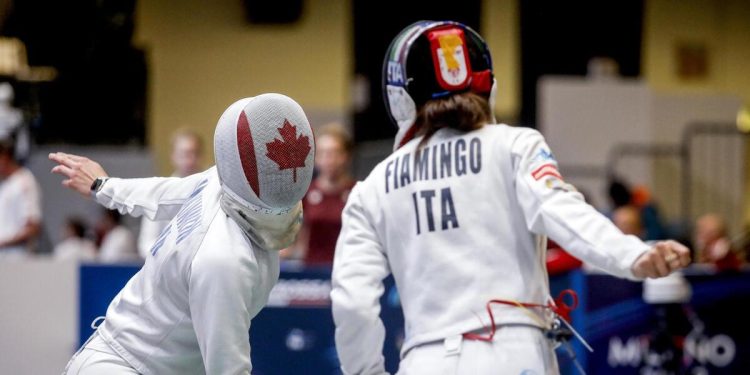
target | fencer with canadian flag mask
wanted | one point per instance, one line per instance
(188, 310)
(264, 169)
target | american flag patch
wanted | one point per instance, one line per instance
(548, 169)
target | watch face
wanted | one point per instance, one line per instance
(96, 184)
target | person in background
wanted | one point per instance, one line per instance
(619, 194)
(628, 219)
(712, 244)
(20, 206)
(75, 245)
(640, 198)
(11, 118)
(187, 148)
(117, 243)
(744, 244)
(653, 225)
(325, 199)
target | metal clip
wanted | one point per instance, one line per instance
(562, 332)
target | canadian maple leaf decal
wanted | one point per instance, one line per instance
(291, 150)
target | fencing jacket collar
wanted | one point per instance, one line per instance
(271, 231)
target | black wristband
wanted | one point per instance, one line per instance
(97, 184)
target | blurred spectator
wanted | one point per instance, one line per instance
(117, 243)
(653, 229)
(744, 241)
(640, 198)
(628, 220)
(619, 194)
(20, 206)
(12, 126)
(326, 197)
(10, 117)
(74, 244)
(602, 68)
(187, 148)
(712, 244)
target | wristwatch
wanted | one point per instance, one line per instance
(97, 184)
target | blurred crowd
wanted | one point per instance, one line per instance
(632, 210)
(108, 240)
(635, 212)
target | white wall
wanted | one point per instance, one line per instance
(38, 316)
(584, 119)
(715, 188)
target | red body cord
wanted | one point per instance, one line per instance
(560, 307)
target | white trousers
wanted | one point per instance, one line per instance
(97, 358)
(514, 350)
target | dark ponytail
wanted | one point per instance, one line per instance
(465, 112)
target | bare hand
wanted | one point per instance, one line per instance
(80, 171)
(662, 259)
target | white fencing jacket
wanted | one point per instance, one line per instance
(188, 310)
(459, 222)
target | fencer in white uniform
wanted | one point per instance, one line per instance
(460, 218)
(188, 310)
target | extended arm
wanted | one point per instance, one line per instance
(553, 208)
(158, 198)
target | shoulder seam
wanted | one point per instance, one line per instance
(200, 243)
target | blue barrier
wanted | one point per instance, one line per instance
(98, 285)
(294, 333)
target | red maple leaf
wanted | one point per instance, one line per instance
(291, 150)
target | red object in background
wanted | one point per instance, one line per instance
(730, 262)
(322, 217)
(719, 252)
(559, 261)
(641, 196)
